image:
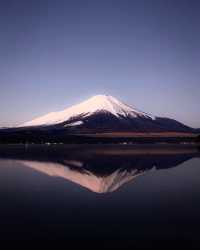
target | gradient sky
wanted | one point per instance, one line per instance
(56, 53)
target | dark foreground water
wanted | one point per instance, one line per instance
(113, 196)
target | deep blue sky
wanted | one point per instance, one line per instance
(56, 53)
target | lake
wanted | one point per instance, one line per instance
(116, 195)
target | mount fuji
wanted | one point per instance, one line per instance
(100, 119)
(104, 113)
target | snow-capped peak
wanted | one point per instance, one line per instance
(92, 105)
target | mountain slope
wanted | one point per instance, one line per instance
(103, 113)
(94, 105)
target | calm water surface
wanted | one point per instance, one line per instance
(114, 195)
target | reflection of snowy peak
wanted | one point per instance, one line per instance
(85, 178)
(99, 103)
(100, 169)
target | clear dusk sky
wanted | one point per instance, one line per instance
(56, 53)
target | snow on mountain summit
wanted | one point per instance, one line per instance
(93, 105)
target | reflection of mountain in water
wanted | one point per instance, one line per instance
(100, 170)
(87, 179)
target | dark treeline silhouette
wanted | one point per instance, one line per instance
(61, 136)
